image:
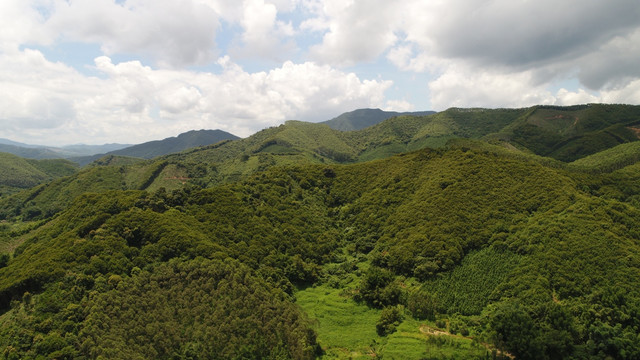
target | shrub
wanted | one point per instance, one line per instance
(422, 305)
(390, 318)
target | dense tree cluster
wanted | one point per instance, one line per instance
(198, 309)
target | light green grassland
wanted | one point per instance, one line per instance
(347, 330)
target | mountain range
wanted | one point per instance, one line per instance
(552, 132)
(169, 145)
(468, 233)
(51, 152)
(84, 154)
(18, 173)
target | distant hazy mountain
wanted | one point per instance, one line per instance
(362, 118)
(170, 145)
(30, 151)
(15, 143)
(83, 149)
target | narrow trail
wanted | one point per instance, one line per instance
(428, 330)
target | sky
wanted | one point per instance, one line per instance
(130, 71)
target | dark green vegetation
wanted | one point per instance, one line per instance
(268, 247)
(571, 133)
(611, 159)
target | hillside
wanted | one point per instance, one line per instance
(570, 133)
(362, 118)
(292, 143)
(30, 153)
(17, 173)
(438, 236)
(611, 159)
(473, 241)
(169, 145)
(298, 142)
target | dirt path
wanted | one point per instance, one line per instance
(635, 130)
(428, 330)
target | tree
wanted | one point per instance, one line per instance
(390, 319)
(4, 260)
(512, 328)
(422, 304)
(379, 288)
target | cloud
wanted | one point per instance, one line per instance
(294, 91)
(398, 105)
(22, 23)
(523, 33)
(460, 86)
(581, 96)
(488, 53)
(34, 92)
(178, 99)
(170, 33)
(614, 64)
(357, 30)
(505, 53)
(552, 39)
(629, 94)
(263, 35)
(133, 103)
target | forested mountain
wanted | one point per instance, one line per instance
(85, 154)
(17, 173)
(570, 133)
(362, 118)
(170, 145)
(300, 142)
(302, 241)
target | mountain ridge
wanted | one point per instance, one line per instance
(362, 118)
(155, 148)
(301, 142)
(18, 173)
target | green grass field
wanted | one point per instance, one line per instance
(347, 330)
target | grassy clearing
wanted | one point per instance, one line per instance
(411, 343)
(347, 330)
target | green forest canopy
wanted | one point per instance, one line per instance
(475, 239)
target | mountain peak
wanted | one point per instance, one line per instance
(362, 118)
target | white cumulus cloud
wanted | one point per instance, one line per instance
(357, 30)
(467, 87)
(71, 107)
(307, 60)
(171, 33)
